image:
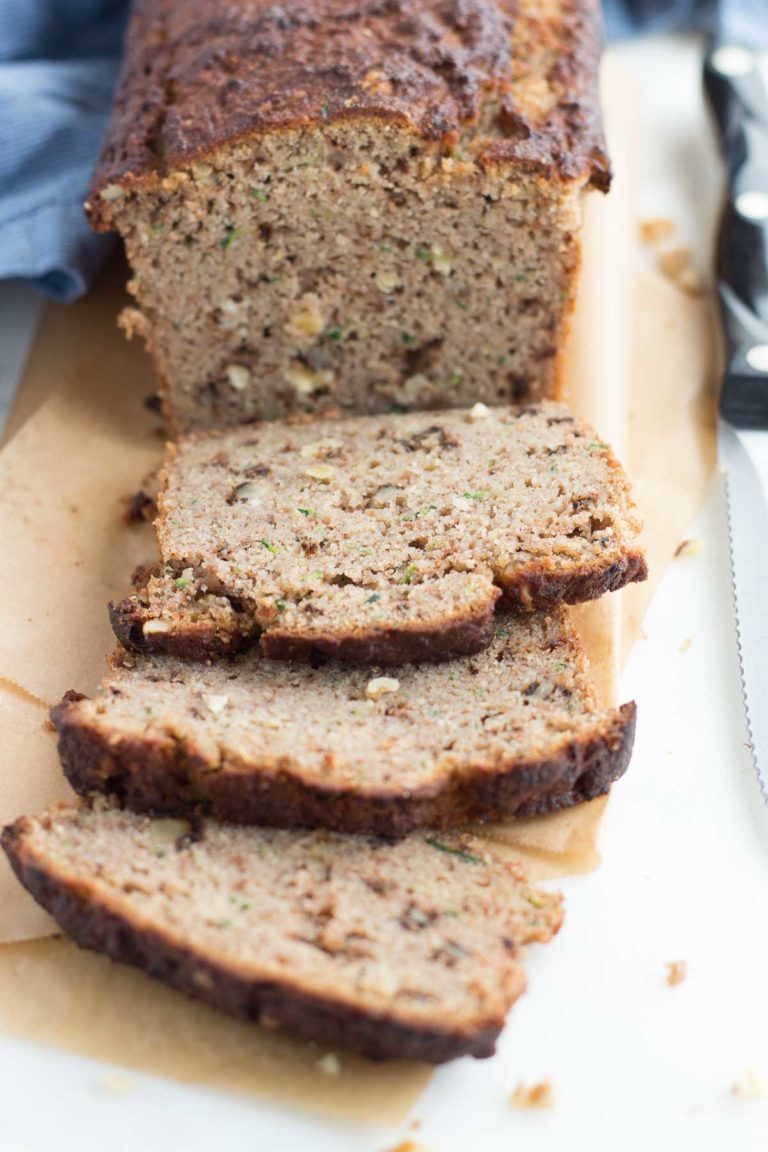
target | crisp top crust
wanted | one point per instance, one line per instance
(201, 74)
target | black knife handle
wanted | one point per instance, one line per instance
(739, 103)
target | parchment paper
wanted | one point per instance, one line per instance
(637, 370)
(59, 995)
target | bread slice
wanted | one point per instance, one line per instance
(381, 539)
(514, 730)
(407, 949)
(353, 205)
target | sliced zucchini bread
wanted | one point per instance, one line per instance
(514, 730)
(381, 539)
(403, 949)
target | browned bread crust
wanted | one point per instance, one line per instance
(99, 930)
(200, 639)
(92, 914)
(514, 731)
(197, 76)
(158, 777)
(540, 592)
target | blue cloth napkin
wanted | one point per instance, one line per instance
(58, 65)
(743, 20)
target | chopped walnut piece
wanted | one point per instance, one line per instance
(238, 376)
(533, 1095)
(305, 381)
(167, 830)
(329, 1065)
(322, 472)
(478, 412)
(321, 449)
(216, 703)
(155, 627)
(381, 686)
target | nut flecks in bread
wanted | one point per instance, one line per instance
(515, 730)
(407, 949)
(355, 206)
(381, 539)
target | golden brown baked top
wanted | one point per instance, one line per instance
(519, 75)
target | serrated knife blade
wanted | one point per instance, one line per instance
(739, 103)
(748, 532)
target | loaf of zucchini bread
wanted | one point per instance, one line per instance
(352, 205)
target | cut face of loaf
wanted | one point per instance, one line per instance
(513, 731)
(406, 949)
(381, 539)
(347, 206)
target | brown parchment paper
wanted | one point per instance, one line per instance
(55, 993)
(83, 442)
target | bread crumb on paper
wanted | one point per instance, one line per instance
(141, 508)
(677, 265)
(677, 972)
(538, 1095)
(749, 1086)
(408, 1146)
(688, 548)
(655, 230)
(685, 645)
(690, 280)
(116, 1084)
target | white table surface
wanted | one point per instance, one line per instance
(633, 1062)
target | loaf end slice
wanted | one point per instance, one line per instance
(369, 206)
(381, 539)
(397, 950)
(515, 730)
